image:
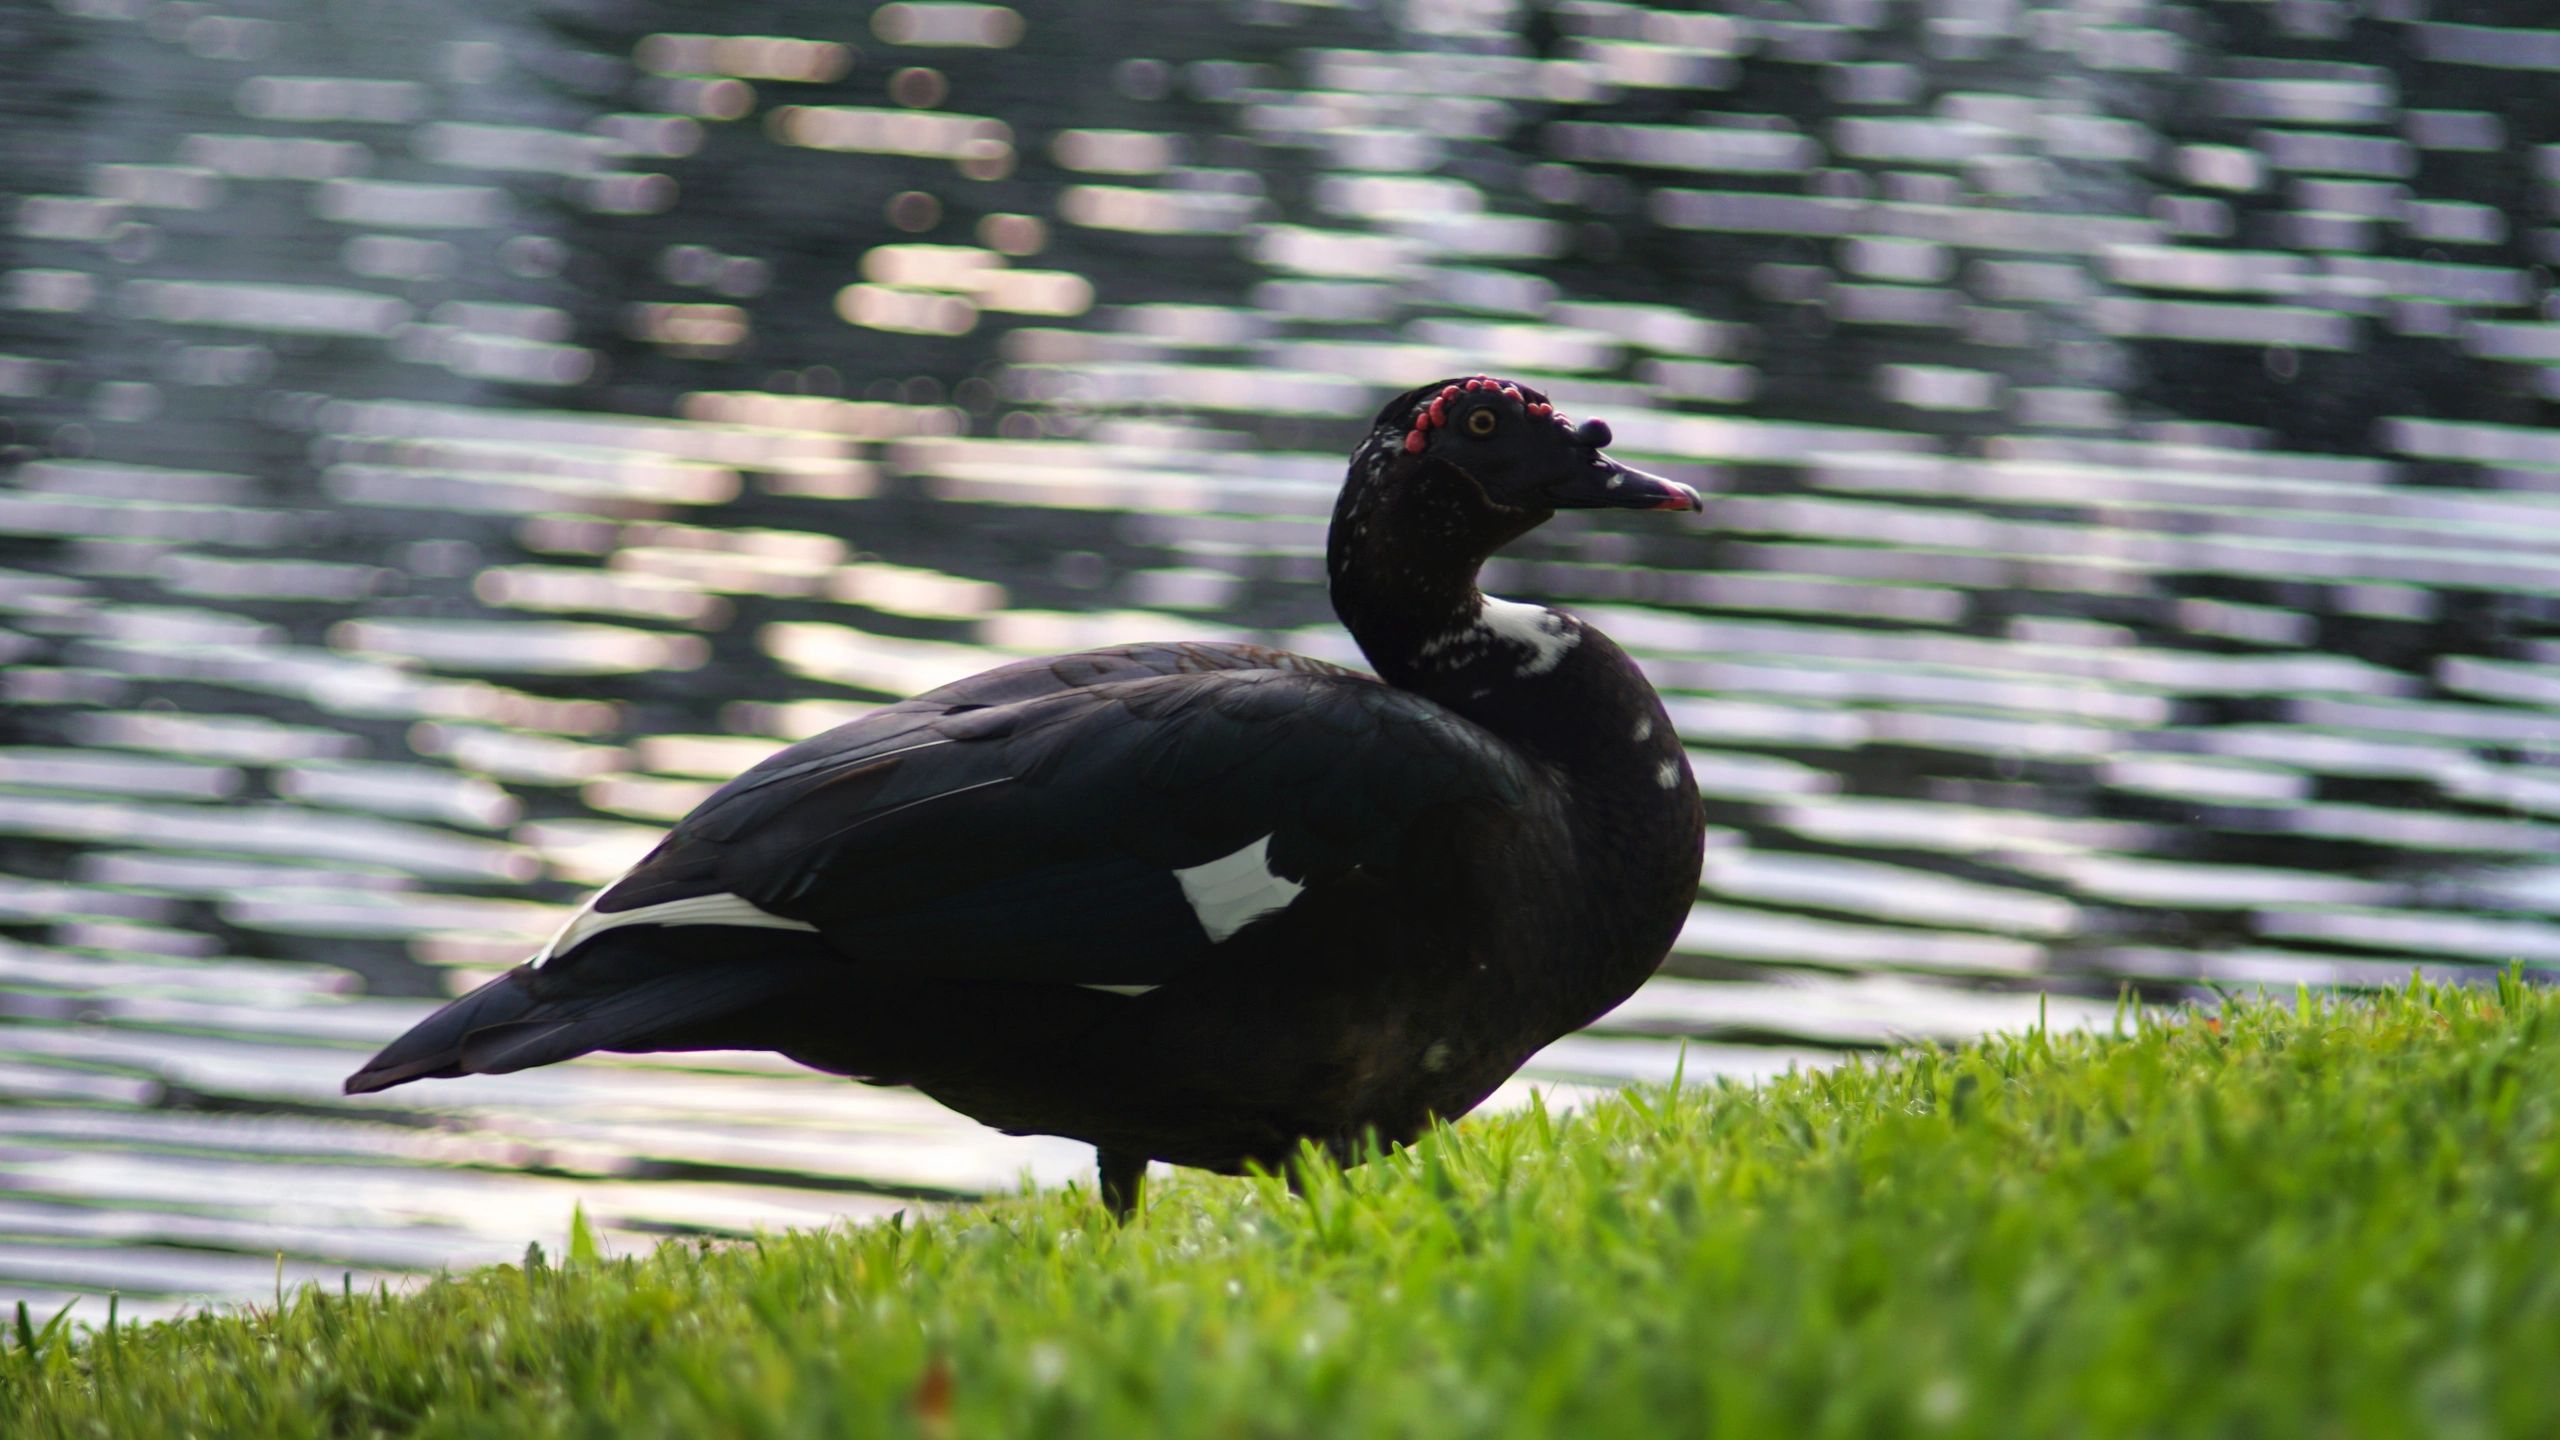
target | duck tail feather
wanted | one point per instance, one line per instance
(649, 991)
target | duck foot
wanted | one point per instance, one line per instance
(1124, 1178)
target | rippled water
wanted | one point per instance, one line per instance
(443, 444)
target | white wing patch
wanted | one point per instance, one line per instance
(722, 909)
(1545, 634)
(1234, 891)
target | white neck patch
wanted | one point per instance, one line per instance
(1545, 634)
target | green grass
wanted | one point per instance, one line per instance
(2335, 1218)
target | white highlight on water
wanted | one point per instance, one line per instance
(1233, 891)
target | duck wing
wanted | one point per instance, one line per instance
(1102, 819)
(1111, 833)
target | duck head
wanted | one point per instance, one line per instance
(1517, 449)
(1471, 464)
(1449, 473)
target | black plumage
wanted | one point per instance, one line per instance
(1194, 903)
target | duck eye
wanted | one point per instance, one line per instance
(1480, 423)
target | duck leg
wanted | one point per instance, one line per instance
(1124, 1176)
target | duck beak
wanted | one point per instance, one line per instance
(1607, 485)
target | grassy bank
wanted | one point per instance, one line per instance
(2341, 1220)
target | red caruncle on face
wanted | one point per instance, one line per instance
(1432, 416)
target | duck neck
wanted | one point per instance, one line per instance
(1539, 678)
(1553, 686)
(1401, 569)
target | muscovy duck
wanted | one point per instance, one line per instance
(1186, 902)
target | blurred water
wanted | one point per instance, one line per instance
(442, 444)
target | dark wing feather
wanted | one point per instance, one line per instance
(1037, 837)
(840, 757)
